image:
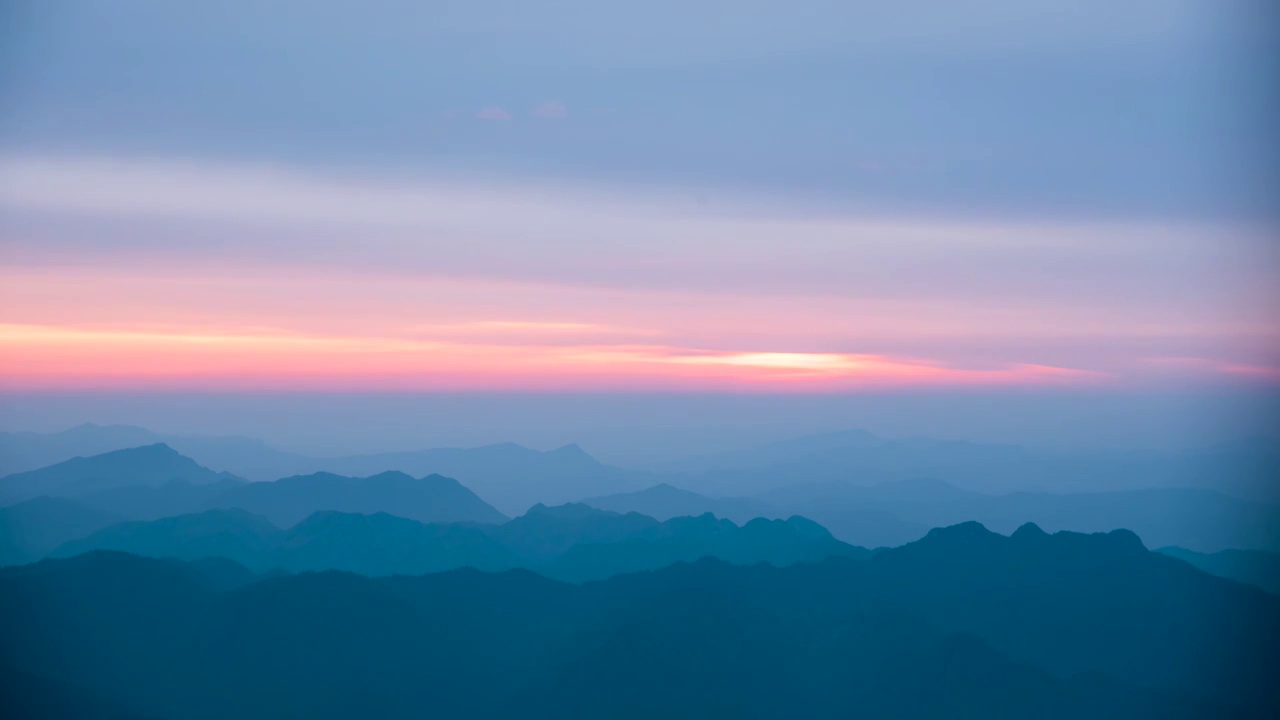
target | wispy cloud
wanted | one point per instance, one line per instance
(493, 112)
(766, 286)
(1217, 367)
(109, 357)
(551, 109)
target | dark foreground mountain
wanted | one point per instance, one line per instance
(963, 623)
(1255, 567)
(571, 542)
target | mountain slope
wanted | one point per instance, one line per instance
(244, 457)
(1245, 469)
(232, 534)
(34, 528)
(686, 539)
(149, 465)
(663, 502)
(894, 513)
(1255, 567)
(511, 476)
(963, 624)
(1112, 605)
(429, 499)
(544, 532)
(572, 542)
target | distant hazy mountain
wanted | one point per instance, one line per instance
(510, 476)
(1255, 567)
(893, 513)
(150, 465)
(430, 499)
(963, 623)
(686, 539)
(31, 529)
(241, 456)
(155, 481)
(571, 542)
(231, 534)
(664, 502)
(1245, 469)
(378, 544)
(381, 544)
(144, 502)
(544, 533)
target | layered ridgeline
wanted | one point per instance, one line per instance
(513, 477)
(1255, 567)
(32, 529)
(149, 466)
(156, 481)
(510, 476)
(571, 542)
(963, 623)
(1245, 468)
(894, 513)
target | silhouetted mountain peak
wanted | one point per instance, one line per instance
(153, 450)
(1124, 540)
(1029, 531)
(434, 498)
(706, 522)
(960, 531)
(573, 450)
(807, 527)
(666, 490)
(441, 480)
(393, 476)
(324, 520)
(568, 511)
(963, 532)
(151, 465)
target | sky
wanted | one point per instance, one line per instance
(799, 198)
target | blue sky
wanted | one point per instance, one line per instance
(1142, 108)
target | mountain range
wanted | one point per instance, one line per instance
(508, 475)
(154, 481)
(571, 542)
(962, 623)
(513, 478)
(897, 512)
(1254, 567)
(1245, 468)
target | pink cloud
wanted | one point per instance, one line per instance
(493, 112)
(1210, 366)
(203, 356)
(551, 109)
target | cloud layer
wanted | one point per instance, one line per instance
(128, 271)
